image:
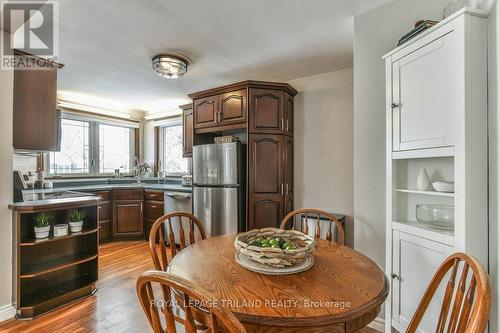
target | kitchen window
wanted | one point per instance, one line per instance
(171, 160)
(92, 146)
(74, 157)
(115, 147)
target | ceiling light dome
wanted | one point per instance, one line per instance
(170, 66)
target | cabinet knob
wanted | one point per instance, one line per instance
(394, 276)
(394, 105)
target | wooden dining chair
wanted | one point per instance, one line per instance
(464, 309)
(154, 309)
(162, 232)
(299, 220)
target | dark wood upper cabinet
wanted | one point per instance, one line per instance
(205, 112)
(222, 111)
(187, 130)
(233, 107)
(266, 111)
(37, 122)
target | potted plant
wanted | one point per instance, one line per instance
(42, 225)
(76, 220)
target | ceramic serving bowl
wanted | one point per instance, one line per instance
(444, 186)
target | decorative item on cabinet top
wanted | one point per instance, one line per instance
(420, 26)
(226, 139)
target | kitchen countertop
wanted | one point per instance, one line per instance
(54, 201)
(104, 187)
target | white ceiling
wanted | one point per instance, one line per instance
(107, 46)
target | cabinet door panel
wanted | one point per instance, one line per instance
(127, 219)
(426, 96)
(36, 119)
(205, 112)
(266, 168)
(265, 211)
(233, 107)
(415, 260)
(265, 202)
(187, 133)
(266, 111)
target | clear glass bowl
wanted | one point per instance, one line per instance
(436, 216)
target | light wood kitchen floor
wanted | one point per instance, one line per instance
(114, 308)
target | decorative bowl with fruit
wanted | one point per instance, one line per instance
(275, 247)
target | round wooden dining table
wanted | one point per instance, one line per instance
(342, 292)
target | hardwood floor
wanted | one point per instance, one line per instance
(114, 308)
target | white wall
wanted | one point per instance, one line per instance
(6, 151)
(147, 141)
(494, 145)
(323, 144)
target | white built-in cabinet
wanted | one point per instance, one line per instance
(436, 118)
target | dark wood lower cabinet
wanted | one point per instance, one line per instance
(128, 214)
(127, 219)
(153, 209)
(104, 231)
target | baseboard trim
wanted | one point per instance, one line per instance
(378, 324)
(7, 312)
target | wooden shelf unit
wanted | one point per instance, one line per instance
(52, 272)
(33, 241)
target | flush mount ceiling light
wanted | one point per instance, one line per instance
(170, 66)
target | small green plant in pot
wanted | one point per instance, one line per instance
(76, 218)
(42, 225)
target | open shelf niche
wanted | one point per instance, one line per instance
(407, 196)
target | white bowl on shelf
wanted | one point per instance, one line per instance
(444, 186)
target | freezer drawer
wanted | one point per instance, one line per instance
(216, 164)
(217, 209)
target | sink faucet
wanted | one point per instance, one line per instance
(137, 172)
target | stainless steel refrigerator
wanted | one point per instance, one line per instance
(219, 187)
